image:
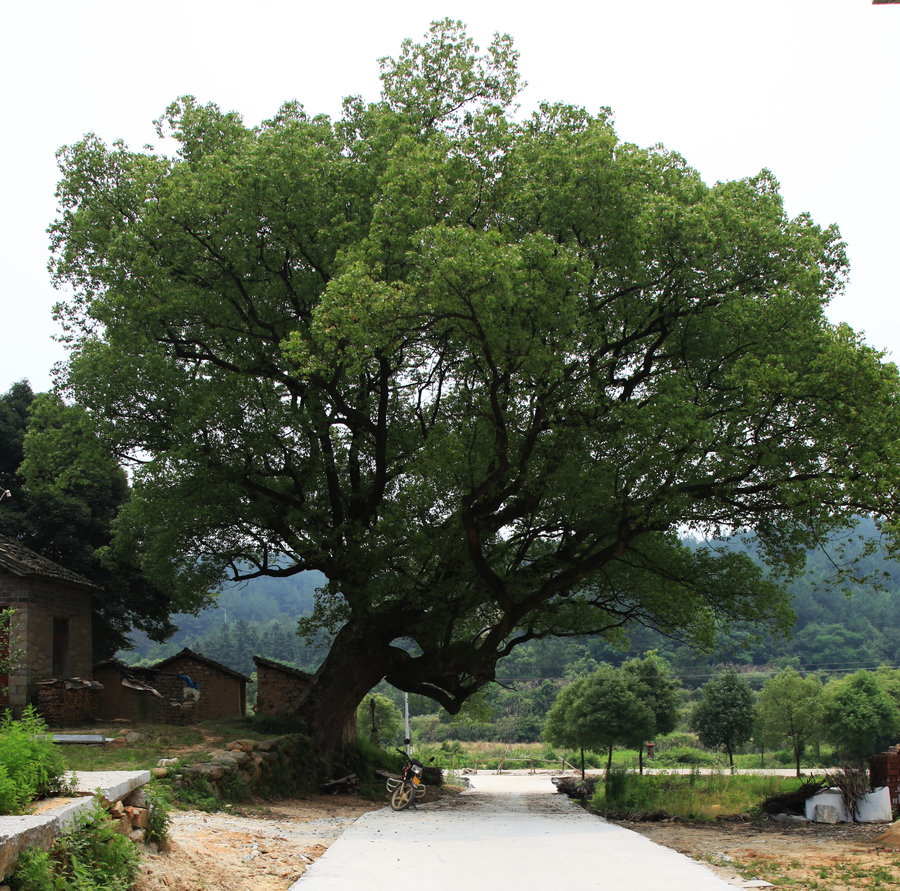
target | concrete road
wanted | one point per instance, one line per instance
(506, 832)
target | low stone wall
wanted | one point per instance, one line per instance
(246, 767)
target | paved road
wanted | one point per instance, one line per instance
(506, 832)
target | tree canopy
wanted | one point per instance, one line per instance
(859, 715)
(480, 370)
(791, 709)
(725, 714)
(599, 711)
(66, 491)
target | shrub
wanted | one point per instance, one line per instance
(93, 857)
(686, 756)
(30, 763)
(34, 872)
(692, 797)
(158, 824)
(675, 740)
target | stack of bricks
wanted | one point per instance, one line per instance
(68, 701)
(884, 770)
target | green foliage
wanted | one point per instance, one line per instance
(92, 857)
(10, 652)
(725, 715)
(160, 802)
(31, 765)
(67, 491)
(859, 715)
(380, 721)
(689, 797)
(599, 711)
(34, 872)
(684, 756)
(479, 369)
(651, 680)
(196, 793)
(790, 710)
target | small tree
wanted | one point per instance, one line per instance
(651, 682)
(725, 714)
(791, 708)
(858, 713)
(597, 712)
(10, 654)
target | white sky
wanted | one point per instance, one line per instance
(807, 88)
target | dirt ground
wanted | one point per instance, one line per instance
(840, 857)
(259, 848)
(267, 848)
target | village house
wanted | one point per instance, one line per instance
(51, 625)
(182, 689)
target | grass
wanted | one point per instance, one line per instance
(688, 796)
(456, 755)
(155, 741)
(675, 750)
(846, 873)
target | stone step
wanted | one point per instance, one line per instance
(39, 830)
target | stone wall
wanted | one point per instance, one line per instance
(247, 767)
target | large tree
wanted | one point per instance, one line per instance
(651, 680)
(482, 371)
(859, 715)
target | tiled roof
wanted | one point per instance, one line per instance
(23, 562)
(280, 666)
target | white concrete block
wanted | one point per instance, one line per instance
(827, 798)
(872, 808)
(875, 807)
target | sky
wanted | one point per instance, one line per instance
(805, 88)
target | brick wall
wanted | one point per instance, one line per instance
(38, 602)
(222, 695)
(280, 691)
(279, 688)
(141, 706)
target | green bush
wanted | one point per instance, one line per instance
(30, 763)
(683, 756)
(692, 796)
(34, 872)
(93, 857)
(159, 800)
(676, 740)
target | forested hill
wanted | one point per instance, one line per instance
(834, 632)
(256, 618)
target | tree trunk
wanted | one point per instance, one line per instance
(640, 760)
(582, 764)
(357, 661)
(609, 760)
